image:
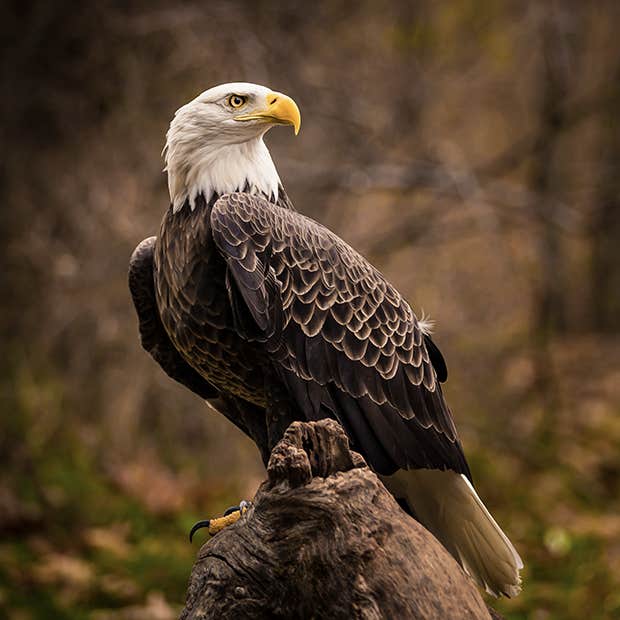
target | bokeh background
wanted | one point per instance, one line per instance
(469, 148)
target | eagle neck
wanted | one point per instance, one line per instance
(214, 169)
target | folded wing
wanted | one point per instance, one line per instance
(342, 338)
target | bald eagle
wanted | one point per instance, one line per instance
(271, 318)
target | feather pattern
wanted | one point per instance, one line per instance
(330, 318)
(212, 319)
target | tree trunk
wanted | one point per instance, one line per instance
(550, 303)
(605, 268)
(325, 539)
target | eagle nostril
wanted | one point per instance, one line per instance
(273, 100)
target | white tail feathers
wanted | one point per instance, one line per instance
(448, 506)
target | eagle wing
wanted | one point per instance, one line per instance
(342, 338)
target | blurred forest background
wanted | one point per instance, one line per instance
(469, 148)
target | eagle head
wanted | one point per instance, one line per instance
(215, 142)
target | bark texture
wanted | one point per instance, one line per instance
(325, 539)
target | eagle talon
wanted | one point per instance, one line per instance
(231, 515)
(198, 526)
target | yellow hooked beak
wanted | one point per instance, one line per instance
(280, 110)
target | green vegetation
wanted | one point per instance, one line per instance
(79, 541)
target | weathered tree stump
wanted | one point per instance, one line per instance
(325, 539)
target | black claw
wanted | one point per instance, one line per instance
(198, 526)
(231, 510)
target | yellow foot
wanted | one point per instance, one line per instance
(232, 515)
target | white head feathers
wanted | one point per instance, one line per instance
(215, 143)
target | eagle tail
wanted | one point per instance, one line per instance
(448, 506)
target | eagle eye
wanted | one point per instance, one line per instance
(236, 101)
